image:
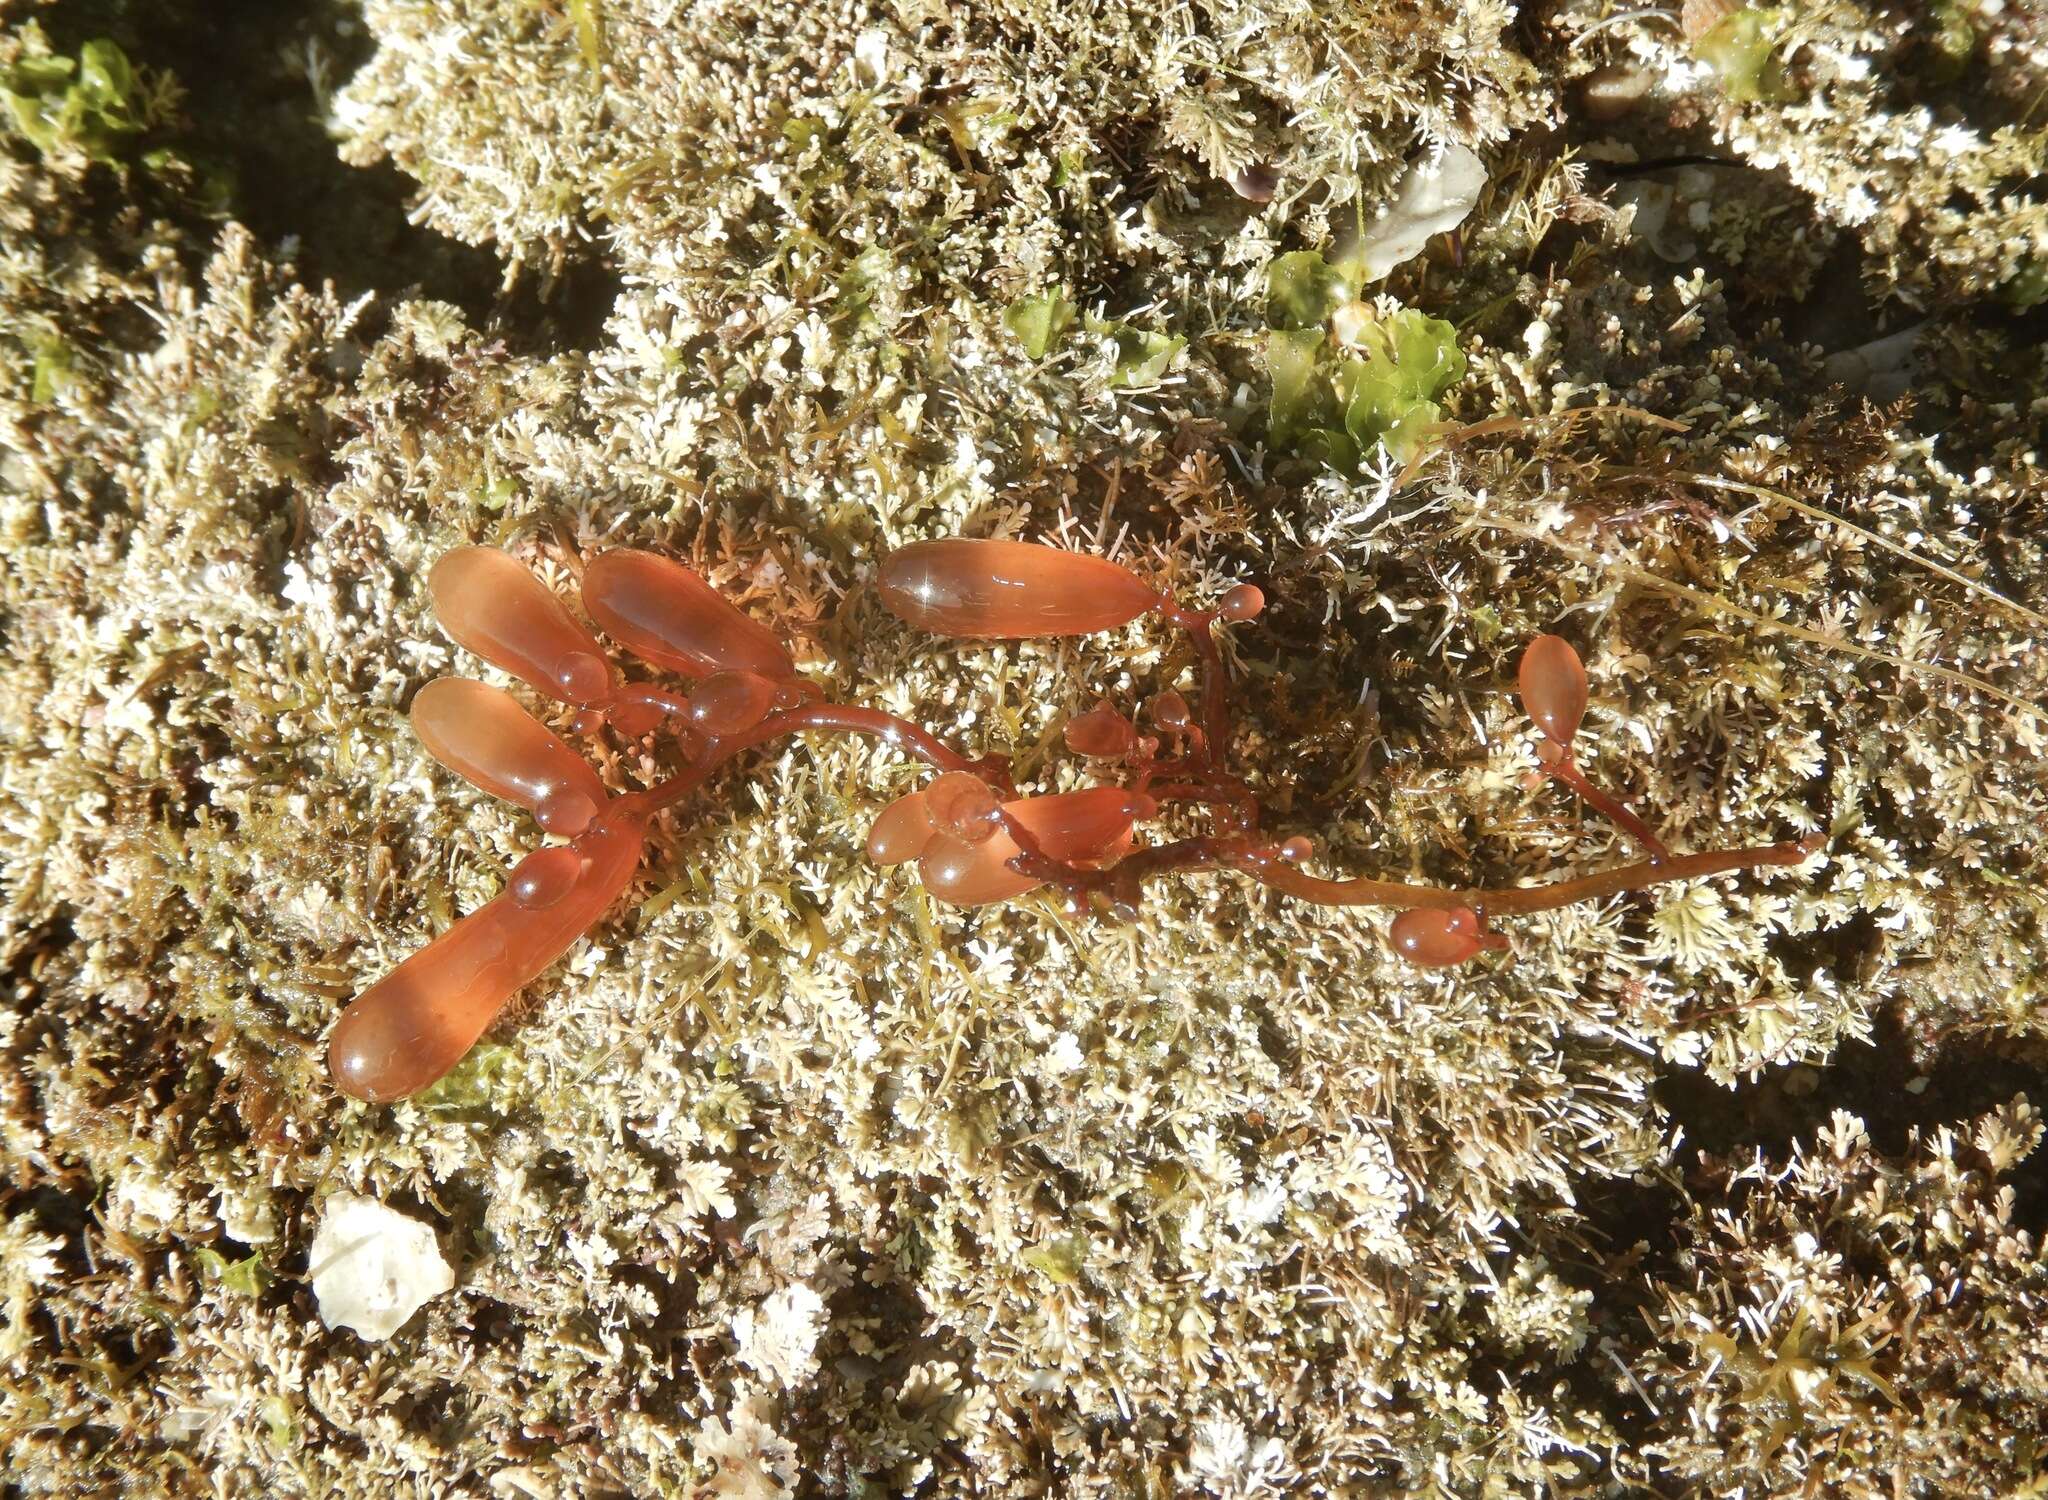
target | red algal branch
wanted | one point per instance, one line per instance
(973, 838)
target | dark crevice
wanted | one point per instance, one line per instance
(1878, 1082)
(253, 119)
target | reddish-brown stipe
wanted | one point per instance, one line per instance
(1553, 686)
(484, 736)
(491, 604)
(1009, 589)
(662, 612)
(415, 1023)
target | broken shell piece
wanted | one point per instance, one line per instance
(1256, 183)
(1435, 196)
(1882, 369)
(1612, 92)
(372, 1267)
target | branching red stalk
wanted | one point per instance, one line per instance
(1567, 771)
(971, 843)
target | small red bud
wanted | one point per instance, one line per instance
(1553, 684)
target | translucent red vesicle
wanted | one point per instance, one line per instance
(415, 1023)
(1241, 603)
(1436, 939)
(568, 810)
(967, 874)
(963, 806)
(490, 603)
(730, 702)
(662, 612)
(1009, 589)
(1089, 827)
(1101, 732)
(902, 831)
(1553, 686)
(484, 736)
(1168, 710)
(1093, 824)
(545, 876)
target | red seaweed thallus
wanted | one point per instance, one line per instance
(971, 836)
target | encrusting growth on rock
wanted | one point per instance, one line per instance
(973, 838)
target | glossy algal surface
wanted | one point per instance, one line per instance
(1088, 826)
(1241, 603)
(491, 604)
(1553, 686)
(1101, 732)
(902, 831)
(545, 876)
(959, 586)
(1438, 938)
(972, 874)
(662, 612)
(730, 702)
(1092, 824)
(963, 806)
(415, 1023)
(484, 736)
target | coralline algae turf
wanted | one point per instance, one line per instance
(791, 1178)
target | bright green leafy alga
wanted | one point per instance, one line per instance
(1337, 403)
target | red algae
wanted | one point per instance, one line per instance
(1010, 589)
(1439, 939)
(1084, 827)
(1101, 732)
(967, 874)
(485, 737)
(902, 832)
(1553, 687)
(963, 806)
(664, 613)
(730, 702)
(973, 839)
(492, 605)
(415, 1023)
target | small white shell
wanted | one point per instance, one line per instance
(372, 1267)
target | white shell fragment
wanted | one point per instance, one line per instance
(781, 1340)
(372, 1267)
(1436, 195)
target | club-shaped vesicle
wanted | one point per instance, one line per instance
(490, 603)
(1085, 827)
(413, 1025)
(1552, 680)
(664, 613)
(958, 586)
(1437, 939)
(483, 735)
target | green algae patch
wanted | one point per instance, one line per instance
(88, 104)
(1347, 381)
